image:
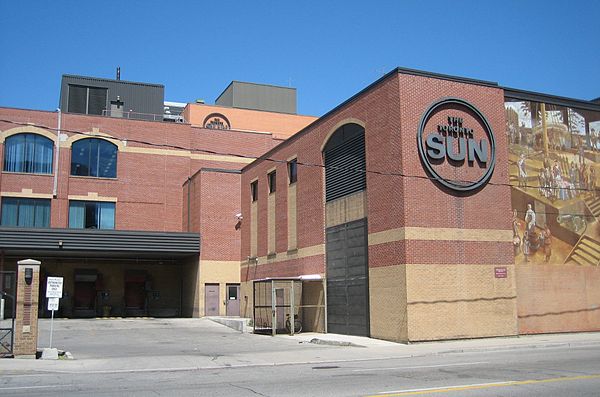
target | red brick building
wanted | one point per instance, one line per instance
(424, 207)
(414, 238)
(138, 217)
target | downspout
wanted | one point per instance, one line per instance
(56, 161)
(188, 203)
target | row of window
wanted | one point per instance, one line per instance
(34, 154)
(345, 164)
(28, 212)
(292, 167)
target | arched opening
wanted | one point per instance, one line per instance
(346, 235)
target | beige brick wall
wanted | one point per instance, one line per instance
(246, 299)
(460, 301)
(218, 272)
(291, 216)
(271, 233)
(346, 209)
(254, 229)
(387, 295)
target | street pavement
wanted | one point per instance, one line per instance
(200, 357)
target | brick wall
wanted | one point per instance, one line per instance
(148, 186)
(420, 217)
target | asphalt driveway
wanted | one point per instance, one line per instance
(111, 338)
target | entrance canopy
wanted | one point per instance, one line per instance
(98, 243)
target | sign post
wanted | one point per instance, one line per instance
(54, 290)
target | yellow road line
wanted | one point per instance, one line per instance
(448, 389)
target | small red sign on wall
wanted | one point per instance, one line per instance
(500, 272)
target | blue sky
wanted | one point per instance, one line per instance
(328, 50)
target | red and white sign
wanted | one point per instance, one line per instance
(500, 272)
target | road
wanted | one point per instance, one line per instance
(551, 371)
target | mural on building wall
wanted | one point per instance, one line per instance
(554, 154)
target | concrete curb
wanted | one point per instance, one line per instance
(237, 323)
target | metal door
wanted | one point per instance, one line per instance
(280, 308)
(8, 281)
(347, 279)
(233, 300)
(211, 299)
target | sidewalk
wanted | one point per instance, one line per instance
(304, 348)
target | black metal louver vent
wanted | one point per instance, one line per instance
(345, 168)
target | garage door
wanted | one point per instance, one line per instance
(347, 279)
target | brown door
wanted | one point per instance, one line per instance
(211, 299)
(233, 300)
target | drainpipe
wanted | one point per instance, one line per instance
(188, 202)
(57, 158)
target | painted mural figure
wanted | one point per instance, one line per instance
(547, 237)
(530, 219)
(526, 246)
(516, 236)
(522, 171)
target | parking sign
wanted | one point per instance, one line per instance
(54, 287)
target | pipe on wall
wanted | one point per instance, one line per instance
(55, 186)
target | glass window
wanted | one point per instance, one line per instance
(293, 171)
(254, 190)
(91, 215)
(272, 182)
(94, 157)
(25, 212)
(30, 153)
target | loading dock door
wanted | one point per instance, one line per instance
(347, 279)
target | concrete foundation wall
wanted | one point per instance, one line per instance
(558, 298)
(387, 296)
(459, 301)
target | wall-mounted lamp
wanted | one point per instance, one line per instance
(28, 275)
(60, 243)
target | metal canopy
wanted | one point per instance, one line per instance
(98, 243)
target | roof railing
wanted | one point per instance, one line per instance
(118, 113)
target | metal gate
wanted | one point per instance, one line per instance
(8, 294)
(347, 279)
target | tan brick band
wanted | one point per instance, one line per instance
(300, 253)
(437, 234)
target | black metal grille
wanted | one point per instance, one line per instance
(347, 279)
(344, 168)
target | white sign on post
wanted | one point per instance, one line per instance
(53, 304)
(54, 291)
(54, 287)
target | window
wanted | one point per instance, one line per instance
(272, 182)
(254, 190)
(91, 215)
(29, 153)
(94, 157)
(25, 212)
(293, 170)
(87, 100)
